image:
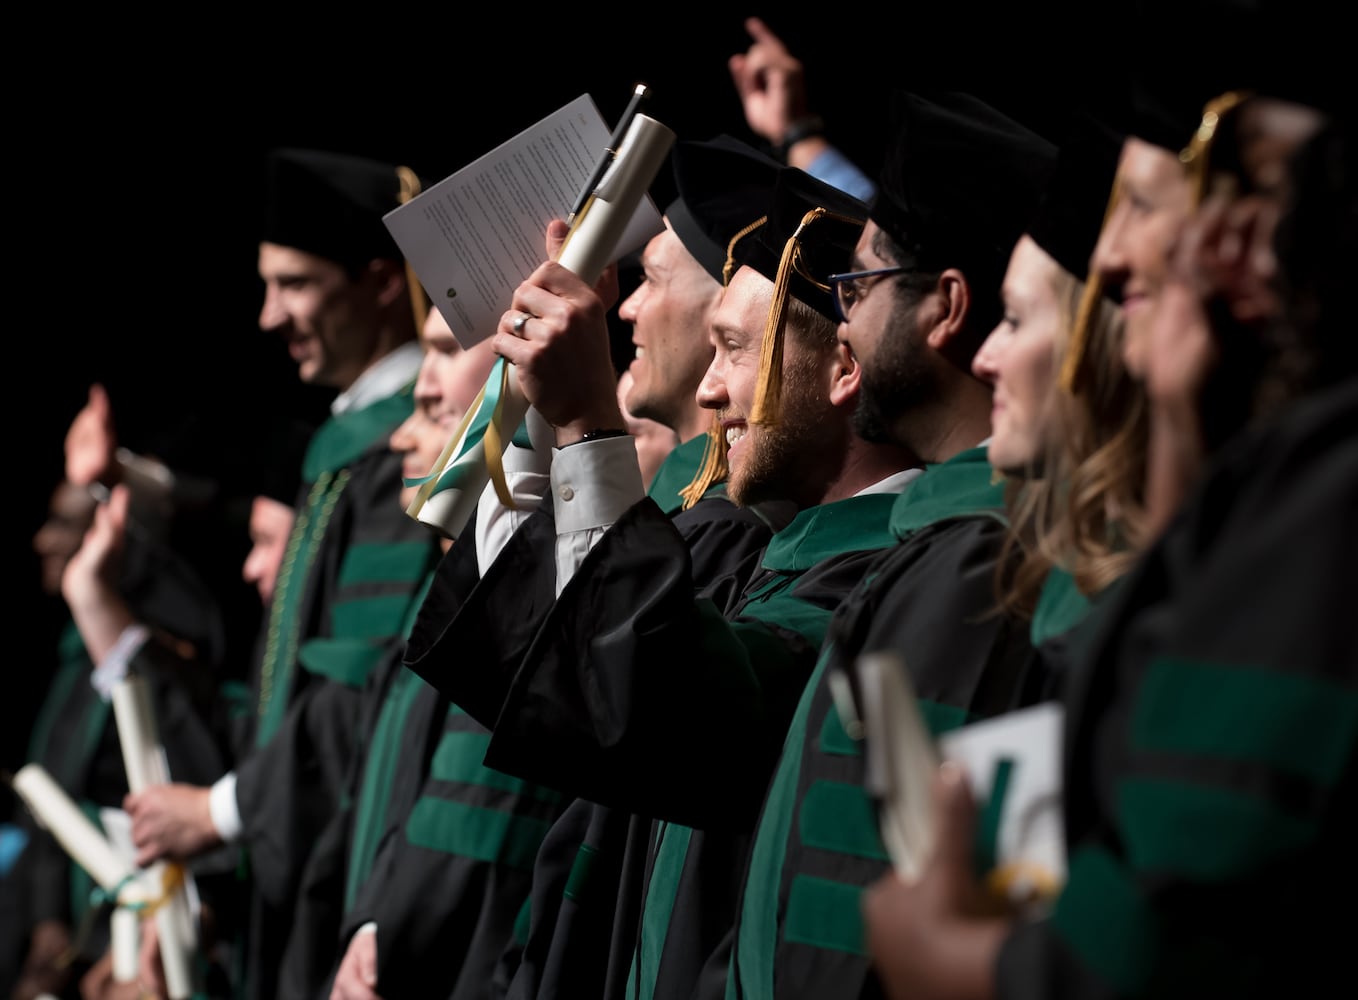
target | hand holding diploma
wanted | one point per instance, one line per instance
(561, 352)
(586, 249)
(938, 935)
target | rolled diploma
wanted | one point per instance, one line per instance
(144, 761)
(590, 247)
(78, 837)
(125, 944)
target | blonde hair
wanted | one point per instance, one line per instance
(1081, 507)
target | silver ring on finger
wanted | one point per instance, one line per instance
(519, 323)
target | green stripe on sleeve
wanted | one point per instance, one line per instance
(472, 832)
(384, 562)
(825, 914)
(839, 817)
(1203, 832)
(459, 758)
(1300, 725)
(1102, 917)
(344, 661)
(376, 617)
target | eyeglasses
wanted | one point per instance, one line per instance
(847, 290)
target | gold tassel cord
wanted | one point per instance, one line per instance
(1197, 153)
(1093, 291)
(419, 302)
(769, 392)
(713, 468)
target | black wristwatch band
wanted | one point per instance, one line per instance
(802, 128)
(599, 434)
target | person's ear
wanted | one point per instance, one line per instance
(389, 276)
(949, 311)
(845, 375)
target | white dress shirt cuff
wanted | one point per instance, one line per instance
(113, 667)
(222, 807)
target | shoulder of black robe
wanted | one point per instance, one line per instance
(484, 621)
(1218, 696)
(579, 718)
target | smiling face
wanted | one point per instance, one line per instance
(447, 385)
(669, 312)
(329, 321)
(1132, 255)
(1018, 359)
(775, 462)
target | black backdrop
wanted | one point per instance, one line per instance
(137, 178)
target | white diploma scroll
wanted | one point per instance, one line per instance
(88, 848)
(144, 761)
(74, 831)
(446, 501)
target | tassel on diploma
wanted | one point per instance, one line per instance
(472, 459)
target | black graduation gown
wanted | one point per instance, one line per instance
(353, 569)
(931, 598)
(1211, 758)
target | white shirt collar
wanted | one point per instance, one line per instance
(383, 378)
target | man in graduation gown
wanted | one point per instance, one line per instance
(337, 289)
(956, 189)
(633, 651)
(480, 898)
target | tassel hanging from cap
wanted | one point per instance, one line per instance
(768, 397)
(713, 468)
(419, 302)
(1079, 335)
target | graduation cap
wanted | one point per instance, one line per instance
(958, 185)
(1071, 214)
(1071, 211)
(724, 187)
(810, 234)
(278, 472)
(331, 205)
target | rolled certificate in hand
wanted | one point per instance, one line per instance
(144, 761)
(446, 501)
(74, 831)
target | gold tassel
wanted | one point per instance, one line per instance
(1079, 334)
(713, 468)
(768, 397)
(419, 302)
(730, 266)
(1194, 156)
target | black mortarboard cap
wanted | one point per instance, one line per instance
(1071, 211)
(958, 185)
(331, 205)
(279, 460)
(810, 234)
(724, 186)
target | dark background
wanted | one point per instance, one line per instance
(137, 182)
